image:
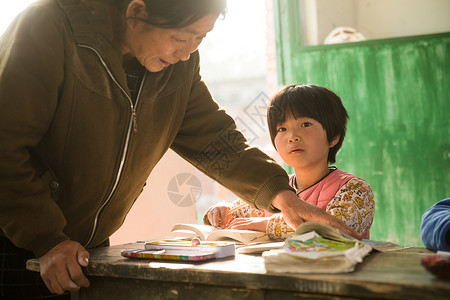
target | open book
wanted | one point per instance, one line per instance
(210, 233)
(316, 248)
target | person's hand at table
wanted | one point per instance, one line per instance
(296, 212)
(219, 216)
(61, 267)
(253, 223)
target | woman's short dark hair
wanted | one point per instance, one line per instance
(177, 13)
(311, 101)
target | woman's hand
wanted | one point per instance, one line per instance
(218, 215)
(296, 212)
(61, 267)
(253, 223)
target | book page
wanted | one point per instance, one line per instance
(324, 231)
(384, 246)
(243, 236)
(202, 231)
(210, 233)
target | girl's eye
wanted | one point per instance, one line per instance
(281, 129)
(306, 124)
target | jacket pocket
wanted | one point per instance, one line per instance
(49, 178)
(47, 175)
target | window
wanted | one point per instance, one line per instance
(371, 19)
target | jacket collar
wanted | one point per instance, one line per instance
(90, 21)
(91, 26)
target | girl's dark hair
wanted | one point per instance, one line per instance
(311, 101)
(177, 13)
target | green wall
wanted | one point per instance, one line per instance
(397, 93)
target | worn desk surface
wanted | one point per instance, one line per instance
(388, 275)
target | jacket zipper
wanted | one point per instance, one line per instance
(131, 126)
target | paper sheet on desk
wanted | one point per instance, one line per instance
(259, 248)
(443, 253)
(376, 245)
(384, 246)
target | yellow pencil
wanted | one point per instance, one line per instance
(236, 208)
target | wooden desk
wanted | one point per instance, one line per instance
(389, 275)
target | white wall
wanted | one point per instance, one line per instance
(154, 214)
(393, 18)
(375, 19)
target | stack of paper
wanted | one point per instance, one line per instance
(316, 248)
(219, 248)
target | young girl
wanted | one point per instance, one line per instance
(307, 125)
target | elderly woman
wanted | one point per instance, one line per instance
(92, 94)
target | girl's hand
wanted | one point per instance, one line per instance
(218, 215)
(253, 223)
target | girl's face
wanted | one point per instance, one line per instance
(158, 48)
(303, 143)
